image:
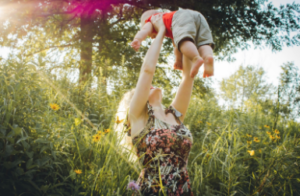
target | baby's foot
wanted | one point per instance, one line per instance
(196, 64)
(208, 67)
(178, 65)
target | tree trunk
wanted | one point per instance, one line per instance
(86, 47)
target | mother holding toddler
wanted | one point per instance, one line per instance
(161, 140)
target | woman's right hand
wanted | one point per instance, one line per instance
(158, 22)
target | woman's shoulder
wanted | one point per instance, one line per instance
(172, 109)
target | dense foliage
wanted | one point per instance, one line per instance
(95, 34)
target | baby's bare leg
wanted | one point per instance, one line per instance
(189, 49)
(178, 59)
(206, 53)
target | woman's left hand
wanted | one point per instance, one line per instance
(158, 22)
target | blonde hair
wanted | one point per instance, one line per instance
(125, 141)
(146, 15)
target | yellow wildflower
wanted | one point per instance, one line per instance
(276, 131)
(77, 171)
(256, 139)
(96, 138)
(77, 121)
(267, 126)
(277, 136)
(268, 132)
(272, 137)
(259, 150)
(251, 152)
(208, 123)
(107, 130)
(200, 122)
(248, 135)
(54, 106)
(249, 142)
(118, 121)
(100, 133)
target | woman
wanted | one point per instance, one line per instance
(161, 140)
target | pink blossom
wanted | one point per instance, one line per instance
(133, 186)
(167, 150)
(153, 142)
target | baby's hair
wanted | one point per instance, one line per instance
(146, 15)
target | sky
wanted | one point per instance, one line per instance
(270, 61)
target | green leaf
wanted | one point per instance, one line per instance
(2, 130)
(29, 163)
(19, 171)
(8, 150)
(25, 145)
(44, 148)
(29, 154)
(22, 139)
(17, 130)
(253, 175)
(44, 188)
(72, 174)
(11, 134)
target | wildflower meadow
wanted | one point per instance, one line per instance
(57, 140)
(65, 66)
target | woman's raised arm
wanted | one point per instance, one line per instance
(142, 90)
(183, 95)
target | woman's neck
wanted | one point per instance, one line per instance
(157, 107)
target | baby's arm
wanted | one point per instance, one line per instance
(141, 35)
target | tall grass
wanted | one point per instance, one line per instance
(234, 153)
(55, 152)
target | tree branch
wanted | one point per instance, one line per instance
(62, 46)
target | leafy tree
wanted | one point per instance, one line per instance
(96, 33)
(290, 89)
(247, 83)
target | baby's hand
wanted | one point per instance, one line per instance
(136, 44)
(178, 65)
(158, 23)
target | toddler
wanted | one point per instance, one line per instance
(190, 35)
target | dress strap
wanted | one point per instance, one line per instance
(150, 110)
(175, 112)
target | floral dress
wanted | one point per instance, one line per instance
(163, 150)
